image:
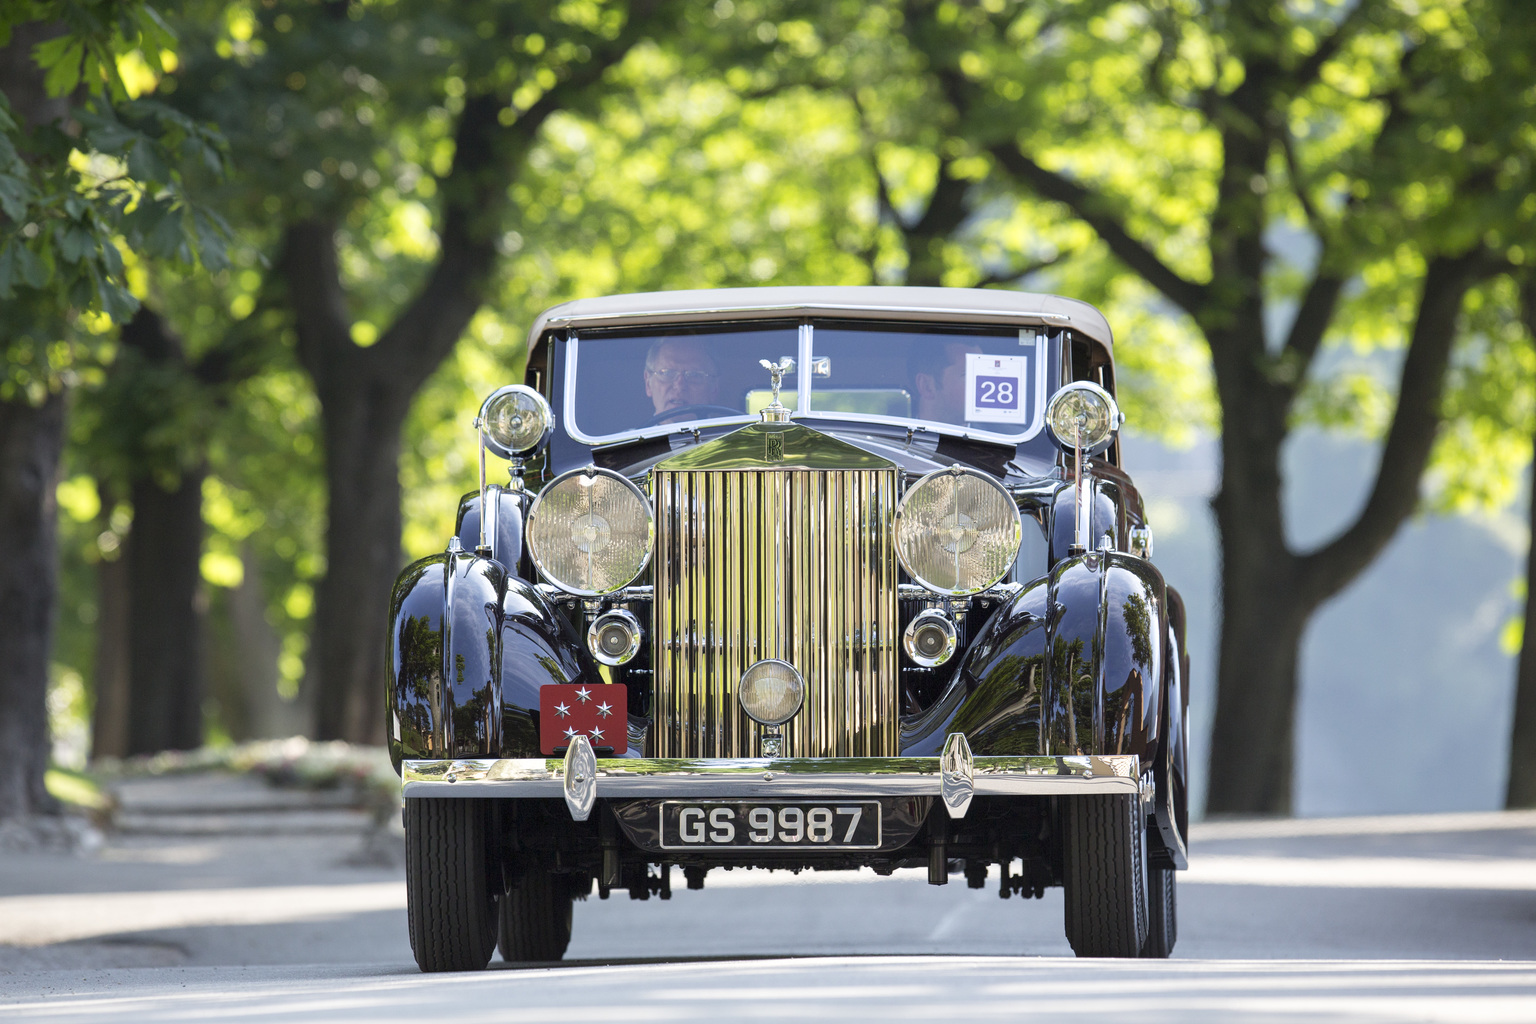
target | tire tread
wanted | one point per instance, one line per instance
(450, 910)
(1105, 872)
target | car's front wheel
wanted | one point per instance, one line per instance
(450, 904)
(1105, 875)
(536, 918)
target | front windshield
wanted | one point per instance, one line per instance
(986, 382)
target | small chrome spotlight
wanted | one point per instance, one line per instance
(771, 692)
(614, 637)
(929, 639)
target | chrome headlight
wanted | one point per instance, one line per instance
(771, 692)
(515, 421)
(590, 532)
(957, 532)
(1082, 413)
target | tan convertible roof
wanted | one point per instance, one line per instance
(987, 305)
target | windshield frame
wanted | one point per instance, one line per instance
(806, 411)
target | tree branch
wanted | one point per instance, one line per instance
(1095, 210)
(1017, 273)
(487, 155)
(1312, 318)
(1411, 437)
(1298, 185)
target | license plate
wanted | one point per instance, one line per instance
(799, 825)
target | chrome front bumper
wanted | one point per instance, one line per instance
(955, 777)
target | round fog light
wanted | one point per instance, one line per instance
(614, 637)
(771, 692)
(929, 639)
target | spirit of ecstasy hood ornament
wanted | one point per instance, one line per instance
(775, 412)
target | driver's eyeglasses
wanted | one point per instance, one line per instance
(665, 376)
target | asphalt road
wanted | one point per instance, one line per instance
(1424, 918)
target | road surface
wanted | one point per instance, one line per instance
(1416, 918)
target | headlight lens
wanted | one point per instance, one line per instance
(1083, 413)
(771, 692)
(515, 420)
(957, 532)
(590, 532)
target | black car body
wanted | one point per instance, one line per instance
(860, 623)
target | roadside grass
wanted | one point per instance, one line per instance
(77, 789)
(293, 763)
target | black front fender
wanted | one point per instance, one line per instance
(445, 657)
(538, 647)
(469, 648)
(1073, 664)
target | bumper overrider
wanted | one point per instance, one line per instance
(955, 777)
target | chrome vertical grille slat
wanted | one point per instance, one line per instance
(797, 564)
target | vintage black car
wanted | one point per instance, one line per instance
(793, 578)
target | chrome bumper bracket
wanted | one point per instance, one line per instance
(957, 775)
(580, 777)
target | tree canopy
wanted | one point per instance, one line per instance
(1314, 213)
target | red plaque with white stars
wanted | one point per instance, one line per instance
(601, 713)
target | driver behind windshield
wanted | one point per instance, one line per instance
(938, 380)
(680, 372)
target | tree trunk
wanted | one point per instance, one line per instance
(109, 716)
(165, 677)
(1521, 790)
(1263, 615)
(1253, 737)
(256, 647)
(362, 455)
(31, 440)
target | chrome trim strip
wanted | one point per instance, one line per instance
(892, 312)
(624, 778)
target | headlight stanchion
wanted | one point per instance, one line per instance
(1083, 417)
(514, 422)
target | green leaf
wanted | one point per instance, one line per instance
(145, 217)
(15, 196)
(76, 243)
(30, 267)
(112, 259)
(168, 239)
(212, 240)
(61, 58)
(146, 163)
(7, 268)
(116, 301)
(106, 134)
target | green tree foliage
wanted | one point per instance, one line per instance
(1284, 179)
(88, 174)
(104, 173)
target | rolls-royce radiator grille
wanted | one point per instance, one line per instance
(792, 564)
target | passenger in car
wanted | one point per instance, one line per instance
(680, 372)
(937, 373)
